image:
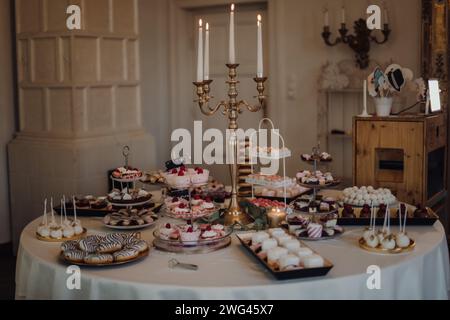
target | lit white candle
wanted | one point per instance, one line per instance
(386, 15)
(327, 18)
(343, 14)
(206, 69)
(232, 45)
(365, 97)
(200, 52)
(260, 58)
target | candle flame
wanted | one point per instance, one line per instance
(200, 23)
(207, 26)
(232, 7)
(259, 18)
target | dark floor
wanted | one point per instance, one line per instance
(7, 272)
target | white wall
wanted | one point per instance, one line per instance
(154, 42)
(6, 114)
(298, 51)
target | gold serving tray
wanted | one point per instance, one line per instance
(141, 256)
(380, 250)
(80, 236)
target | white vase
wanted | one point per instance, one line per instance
(383, 106)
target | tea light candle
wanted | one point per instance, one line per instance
(276, 217)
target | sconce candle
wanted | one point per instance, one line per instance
(232, 44)
(276, 217)
(260, 65)
(386, 15)
(326, 18)
(343, 15)
(206, 68)
(200, 52)
(365, 95)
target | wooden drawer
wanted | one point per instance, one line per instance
(436, 133)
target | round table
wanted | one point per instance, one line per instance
(233, 274)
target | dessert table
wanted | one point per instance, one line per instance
(233, 274)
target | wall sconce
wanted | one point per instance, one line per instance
(360, 42)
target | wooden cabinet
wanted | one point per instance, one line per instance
(406, 154)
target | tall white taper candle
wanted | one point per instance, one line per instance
(365, 97)
(232, 44)
(206, 68)
(200, 52)
(260, 57)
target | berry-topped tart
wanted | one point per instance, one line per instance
(183, 177)
(214, 190)
(127, 174)
(196, 208)
(315, 179)
(205, 237)
(322, 157)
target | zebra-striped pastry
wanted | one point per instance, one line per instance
(96, 238)
(109, 247)
(131, 238)
(76, 256)
(99, 259)
(88, 246)
(139, 245)
(114, 237)
(125, 255)
(69, 245)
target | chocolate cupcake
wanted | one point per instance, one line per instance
(382, 211)
(348, 212)
(402, 210)
(83, 203)
(365, 212)
(99, 204)
(421, 212)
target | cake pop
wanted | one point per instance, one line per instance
(78, 228)
(43, 229)
(371, 230)
(67, 229)
(372, 241)
(402, 239)
(52, 223)
(388, 242)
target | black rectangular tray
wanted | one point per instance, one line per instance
(88, 212)
(291, 274)
(394, 220)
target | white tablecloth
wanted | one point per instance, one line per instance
(233, 274)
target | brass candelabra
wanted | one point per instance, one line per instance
(231, 109)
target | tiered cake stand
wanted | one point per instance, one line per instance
(272, 157)
(195, 247)
(316, 161)
(188, 189)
